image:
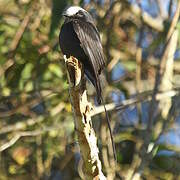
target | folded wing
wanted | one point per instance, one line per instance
(91, 44)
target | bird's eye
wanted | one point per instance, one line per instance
(80, 14)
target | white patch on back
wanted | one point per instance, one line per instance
(73, 10)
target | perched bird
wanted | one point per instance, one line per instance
(80, 38)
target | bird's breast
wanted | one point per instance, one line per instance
(69, 42)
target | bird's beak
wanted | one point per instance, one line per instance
(64, 14)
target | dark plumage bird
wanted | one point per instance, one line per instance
(79, 38)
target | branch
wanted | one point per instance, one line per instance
(145, 96)
(167, 79)
(155, 23)
(82, 116)
(21, 125)
(22, 107)
(17, 137)
(20, 134)
(15, 42)
(174, 22)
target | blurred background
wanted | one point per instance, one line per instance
(141, 44)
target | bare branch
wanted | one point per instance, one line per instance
(20, 125)
(20, 134)
(132, 101)
(155, 23)
(24, 106)
(83, 124)
(17, 137)
(174, 22)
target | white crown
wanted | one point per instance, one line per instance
(73, 10)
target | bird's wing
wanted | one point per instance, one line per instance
(91, 44)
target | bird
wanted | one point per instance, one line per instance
(80, 38)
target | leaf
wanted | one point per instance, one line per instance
(21, 154)
(56, 70)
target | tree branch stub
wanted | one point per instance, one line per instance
(82, 115)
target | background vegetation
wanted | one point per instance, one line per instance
(141, 43)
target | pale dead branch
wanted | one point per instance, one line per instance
(83, 124)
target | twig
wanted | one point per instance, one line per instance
(20, 31)
(155, 23)
(5, 66)
(170, 8)
(138, 99)
(10, 143)
(17, 137)
(15, 42)
(138, 67)
(165, 123)
(20, 107)
(20, 125)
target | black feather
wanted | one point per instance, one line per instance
(91, 44)
(81, 40)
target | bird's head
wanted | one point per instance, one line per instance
(76, 12)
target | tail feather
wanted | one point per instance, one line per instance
(98, 90)
(110, 130)
(101, 100)
(97, 84)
